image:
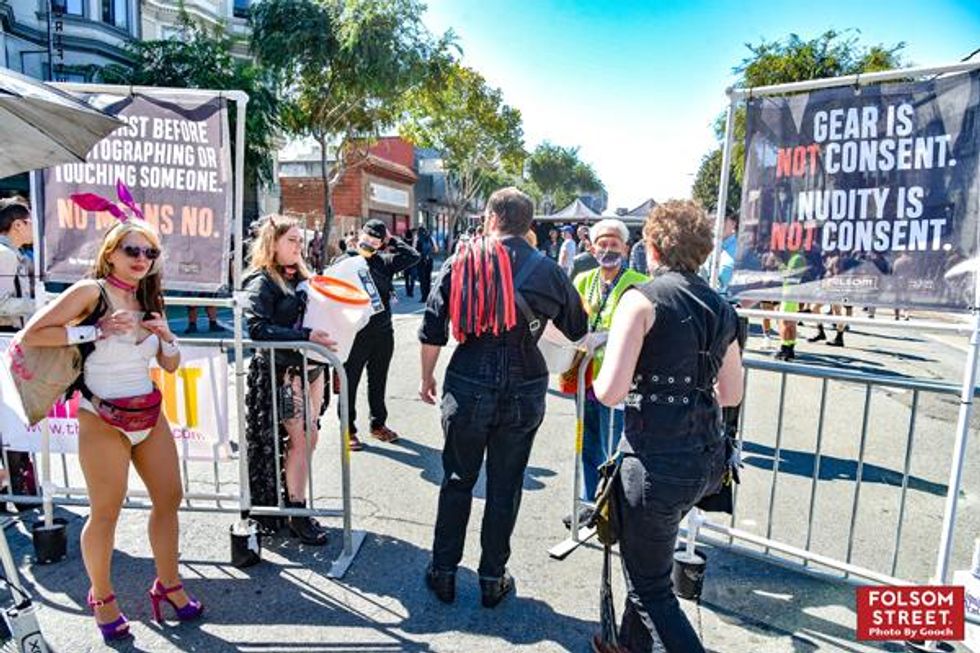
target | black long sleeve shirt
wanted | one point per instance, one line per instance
(514, 355)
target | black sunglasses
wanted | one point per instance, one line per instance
(132, 251)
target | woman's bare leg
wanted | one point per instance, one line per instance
(104, 455)
(156, 462)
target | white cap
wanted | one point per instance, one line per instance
(609, 226)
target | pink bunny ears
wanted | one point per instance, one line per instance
(93, 202)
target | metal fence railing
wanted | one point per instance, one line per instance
(843, 469)
(221, 486)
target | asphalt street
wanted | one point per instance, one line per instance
(288, 604)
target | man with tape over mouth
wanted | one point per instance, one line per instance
(374, 345)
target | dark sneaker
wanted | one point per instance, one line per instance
(191, 328)
(214, 327)
(442, 584)
(836, 342)
(493, 590)
(384, 434)
(355, 444)
(817, 338)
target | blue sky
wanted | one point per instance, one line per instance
(637, 84)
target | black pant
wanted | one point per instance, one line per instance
(410, 275)
(658, 490)
(373, 347)
(424, 273)
(502, 423)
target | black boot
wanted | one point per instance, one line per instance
(838, 341)
(442, 584)
(493, 590)
(821, 335)
(307, 529)
(786, 353)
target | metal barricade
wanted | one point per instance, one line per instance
(223, 493)
(763, 540)
(774, 549)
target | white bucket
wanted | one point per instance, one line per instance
(338, 307)
(558, 351)
(354, 269)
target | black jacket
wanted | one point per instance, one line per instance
(272, 313)
(511, 357)
(384, 265)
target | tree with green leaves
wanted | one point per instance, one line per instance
(203, 59)
(345, 65)
(480, 138)
(793, 59)
(560, 175)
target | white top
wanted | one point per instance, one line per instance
(120, 366)
(566, 256)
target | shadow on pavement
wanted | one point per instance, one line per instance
(428, 460)
(766, 600)
(288, 604)
(801, 463)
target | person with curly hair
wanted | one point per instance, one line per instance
(673, 359)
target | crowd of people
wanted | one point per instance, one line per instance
(654, 396)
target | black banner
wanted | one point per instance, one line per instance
(863, 195)
(175, 157)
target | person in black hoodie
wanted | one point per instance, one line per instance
(274, 311)
(374, 345)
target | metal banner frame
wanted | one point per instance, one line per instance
(969, 370)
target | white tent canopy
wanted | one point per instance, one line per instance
(577, 211)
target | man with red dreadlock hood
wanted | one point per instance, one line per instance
(496, 292)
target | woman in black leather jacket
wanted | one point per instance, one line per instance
(274, 311)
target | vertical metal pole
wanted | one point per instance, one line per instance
(64, 475)
(185, 472)
(905, 480)
(308, 421)
(726, 156)
(959, 448)
(46, 484)
(280, 459)
(611, 436)
(816, 466)
(579, 437)
(345, 458)
(775, 456)
(741, 430)
(245, 503)
(860, 471)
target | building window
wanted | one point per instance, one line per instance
(241, 8)
(115, 13)
(68, 7)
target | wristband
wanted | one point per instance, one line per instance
(80, 334)
(169, 349)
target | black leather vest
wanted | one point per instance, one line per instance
(671, 405)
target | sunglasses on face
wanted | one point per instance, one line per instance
(132, 251)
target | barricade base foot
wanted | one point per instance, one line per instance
(343, 562)
(561, 550)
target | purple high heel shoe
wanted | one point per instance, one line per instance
(115, 630)
(158, 594)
